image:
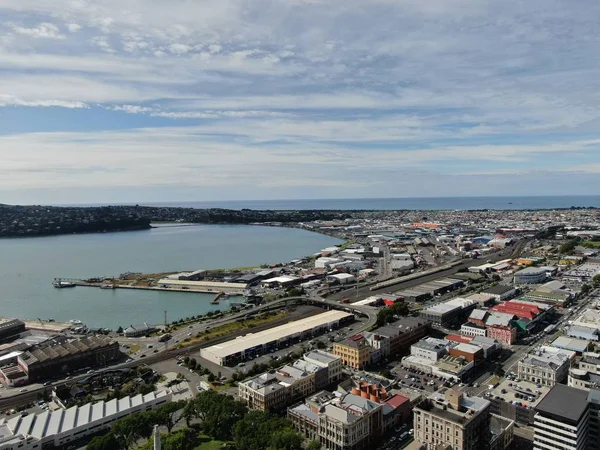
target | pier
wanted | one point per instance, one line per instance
(215, 301)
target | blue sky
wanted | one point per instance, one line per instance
(173, 100)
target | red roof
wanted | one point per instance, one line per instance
(396, 401)
(459, 338)
(518, 309)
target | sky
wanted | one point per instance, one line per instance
(177, 100)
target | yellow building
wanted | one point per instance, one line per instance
(354, 351)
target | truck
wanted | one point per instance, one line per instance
(164, 338)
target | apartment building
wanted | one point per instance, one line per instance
(339, 421)
(328, 361)
(587, 374)
(562, 420)
(450, 419)
(403, 333)
(354, 351)
(544, 368)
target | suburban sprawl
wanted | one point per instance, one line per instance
(423, 330)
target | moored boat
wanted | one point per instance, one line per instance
(58, 283)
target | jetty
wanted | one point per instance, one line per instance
(215, 301)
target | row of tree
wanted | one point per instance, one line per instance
(216, 415)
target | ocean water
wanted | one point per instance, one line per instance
(425, 203)
(28, 266)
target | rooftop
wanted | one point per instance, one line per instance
(281, 332)
(499, 289)
(560, 395)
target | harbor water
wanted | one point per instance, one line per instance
(28, 267)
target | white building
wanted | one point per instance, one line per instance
(545, 368)
(58, 428)
(342, 278)
(326, 261)
(430, 349)
(530, 275)
(326, 360)
(562, 420)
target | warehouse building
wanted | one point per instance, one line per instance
(203, 286)
(59, 359)
(257, 343)
(530, 275)
(10, 327)
(58, 428)
(452, 311)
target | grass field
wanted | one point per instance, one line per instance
(592, 244)
(232, 327)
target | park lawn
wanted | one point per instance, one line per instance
(595, 244)
(209, 444)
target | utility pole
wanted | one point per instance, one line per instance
(165, 318)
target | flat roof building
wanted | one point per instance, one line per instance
(252, 343)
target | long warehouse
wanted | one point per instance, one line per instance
(256, 343)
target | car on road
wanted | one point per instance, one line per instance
(23, 390)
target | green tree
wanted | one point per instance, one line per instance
(314, 445)
(286, 439)
(192, 363)
(259, 430)
(218, 413)
(596, 280)
(585, 289)
(106, 442)
(211, 377)
(165, 415)
(387, 373)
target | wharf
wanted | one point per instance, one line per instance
(159, 288)
(215, 300)
(48, 327)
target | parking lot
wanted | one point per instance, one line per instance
(519, 393)
(417, 379)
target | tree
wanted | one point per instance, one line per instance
(106, 442)
(145, 388)
(165, 415)
(192, 363)
(596, 280)
(211, 378)
(321, 345)
(218, 413)
(286, 439)
(314, 445)
(585, 289)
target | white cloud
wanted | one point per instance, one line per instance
(44, 30)
(73, 27)
(7, 100)
(179, 49)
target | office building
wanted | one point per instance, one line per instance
(562, 420)
(544, 368)
(354, 351)
(500, 292)
(454, 311)
(339, 421)
(403, 333)
(587, 374)
(328, 361)
(450, 419)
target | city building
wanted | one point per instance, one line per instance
(354, 351)
(403, 333)
(275, 391)
(586, 326)
(575, 345)
(561, 420)
(482, 299)
(60, 427)
(470, 329)
(469, 352)
(544, 368)
(339, 421)
(328, 361)
(50, 361)
(453, 311)
(528, 313)
(553, 292)
(138, 330)
(500, 292)
(252, 344)
(502, 432)
(587, 374)
(451, 419)
(430, 349)
(500, 326)
(530, 275)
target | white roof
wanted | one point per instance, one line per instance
(252, 340)
(342, 276)
(282, 279)
(201, 284)
(50, 423)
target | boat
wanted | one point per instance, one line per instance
(59, 284)
(107, 286)
(76, 322)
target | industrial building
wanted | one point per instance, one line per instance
(500, 292)
(203, 286)
(256, 343)
(530, 275)
(58, 428)
(452, 311)
(54, 360)
(10, 327)
(424, 291)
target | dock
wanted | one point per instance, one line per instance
(215, 301)
(115, 286)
